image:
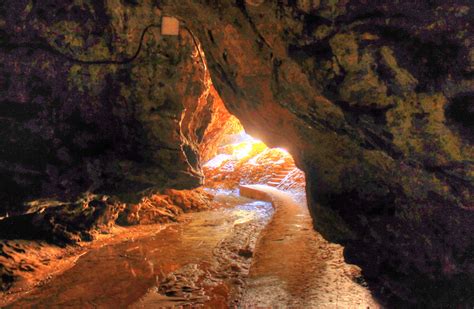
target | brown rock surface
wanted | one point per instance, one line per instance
(95, 99)
(166, 207)
(30, 243)
(63, 223)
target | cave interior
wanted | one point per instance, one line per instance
(303, 153)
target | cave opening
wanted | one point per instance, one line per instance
(229, 156)
(239, 166)
(240, 159)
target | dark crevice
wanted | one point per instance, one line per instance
(211, 37)
(311, 22)
(377, 114)
(241, 5)
(460, 114)
(320, 50)
(370, 122)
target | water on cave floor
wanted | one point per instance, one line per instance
(237, 253)
(243, 252)
(196, 261)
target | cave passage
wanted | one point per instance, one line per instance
(233, 234)
(254, 246)
(244, 160)
(127, 180)
(314, 273)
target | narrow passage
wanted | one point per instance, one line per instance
(294, 266)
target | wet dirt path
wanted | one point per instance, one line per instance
(294, 266)
(241, 254)
(203, 260)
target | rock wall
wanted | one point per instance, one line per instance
(372, 98)
(94, 98)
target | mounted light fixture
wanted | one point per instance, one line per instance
(169, 26)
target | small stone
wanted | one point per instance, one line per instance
(246, 253)
(235, 267)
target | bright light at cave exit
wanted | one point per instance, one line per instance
(241, 146)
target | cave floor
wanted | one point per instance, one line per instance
(294, 266)
(242, 252)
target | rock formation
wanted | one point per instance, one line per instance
(95, 99)
(372, 98)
